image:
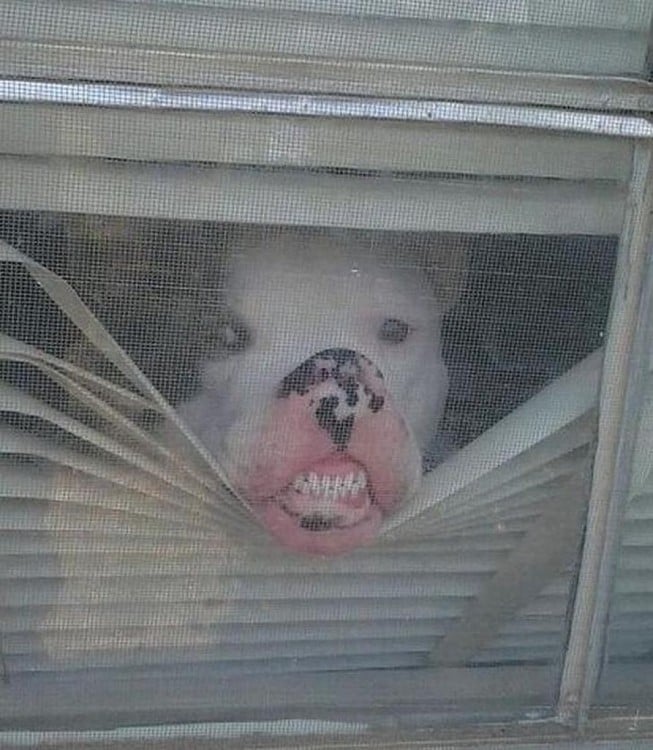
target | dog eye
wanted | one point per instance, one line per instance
(232, 336)
(394, 331)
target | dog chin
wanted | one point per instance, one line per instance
(317, 533)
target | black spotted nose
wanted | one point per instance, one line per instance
(346, 380)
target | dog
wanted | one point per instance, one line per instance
(326, 382)
(321, 385)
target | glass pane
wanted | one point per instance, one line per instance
(291, 471)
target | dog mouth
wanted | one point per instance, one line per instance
(328, 508)
(318, 522)
(319, 501)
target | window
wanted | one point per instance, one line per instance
(318, 401)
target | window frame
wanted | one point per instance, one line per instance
(618, 400)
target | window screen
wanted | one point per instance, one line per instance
(321, 333)
(277, 459)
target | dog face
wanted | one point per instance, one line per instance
(326, 385)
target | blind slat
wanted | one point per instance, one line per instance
(41, 130)
(277, 197)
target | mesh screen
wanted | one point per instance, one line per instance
(271, 452)
(302, 313)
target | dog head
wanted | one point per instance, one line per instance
(327, 381)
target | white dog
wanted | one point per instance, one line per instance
(324, 387)
(327, 381)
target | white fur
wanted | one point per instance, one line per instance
(129, 585)
(302, 293)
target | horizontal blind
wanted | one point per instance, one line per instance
(138, 543)
(367, 145)
(356, 201)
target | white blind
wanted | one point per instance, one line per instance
(138, 574)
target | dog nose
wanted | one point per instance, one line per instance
(340, 385)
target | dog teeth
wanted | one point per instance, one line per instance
(329, 485)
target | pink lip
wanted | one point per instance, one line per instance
(329, 542)
(334, 465)
(319, 522)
